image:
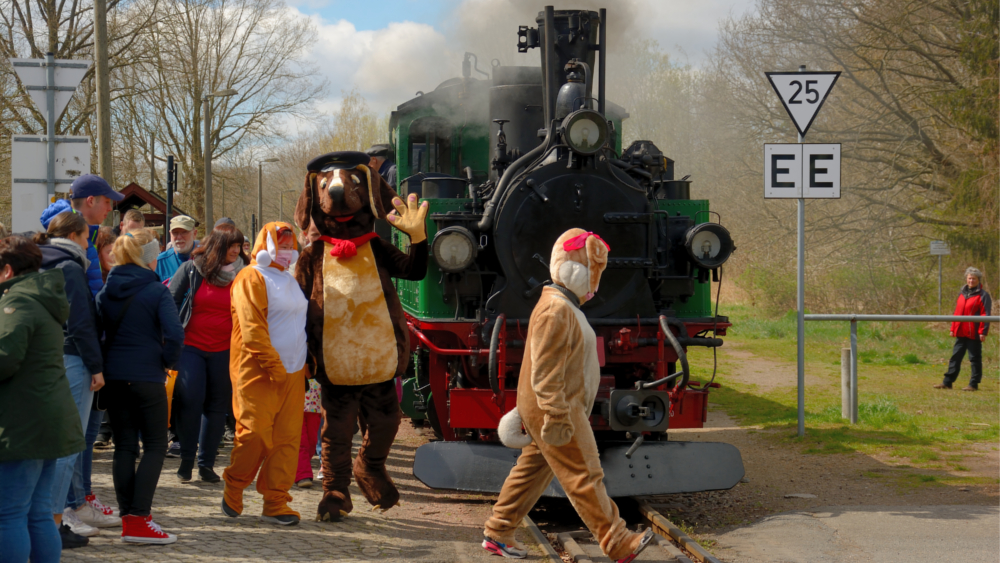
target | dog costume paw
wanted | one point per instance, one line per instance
(375, 485)
(410, 218)
(557, 430)
(334, 506)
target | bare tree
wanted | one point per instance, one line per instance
(203, 46)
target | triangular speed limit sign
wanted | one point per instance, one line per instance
(802, 94)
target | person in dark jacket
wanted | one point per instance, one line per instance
(64, 246)
(39, 422)
(204, 392)
(972, 301)
(143, 339)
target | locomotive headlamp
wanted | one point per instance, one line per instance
(585, 131)
(709, 245)
(454, 248)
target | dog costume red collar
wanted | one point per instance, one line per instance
(345, 248)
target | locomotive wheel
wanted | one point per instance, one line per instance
(432, 417)
(423, 379)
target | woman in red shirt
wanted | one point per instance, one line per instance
(203, 391)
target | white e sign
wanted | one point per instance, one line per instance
(810, 171)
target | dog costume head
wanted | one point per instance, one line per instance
(577, 262)
(342, 197)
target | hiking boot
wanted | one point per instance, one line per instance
(96, 518)
(142, 529)
(970, 388)
(69, 539)
(646, 539)
(504, 550)
(184, 471)
(71, 519)
(304, 483)
(208, 475)
(282, 520)
(941, 386)
(101, 507)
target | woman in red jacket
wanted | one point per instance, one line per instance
(203, 391)
(972, 301)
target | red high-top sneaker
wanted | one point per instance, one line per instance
(142, 529)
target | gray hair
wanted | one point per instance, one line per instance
(970, 271)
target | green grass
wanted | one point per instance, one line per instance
(899, 413)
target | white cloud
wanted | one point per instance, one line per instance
(389, 65)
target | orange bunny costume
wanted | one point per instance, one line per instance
(555, 394)
(267, 366)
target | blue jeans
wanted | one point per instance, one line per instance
(202, 396)
(79, 384)
(26, 525)
(81, 486)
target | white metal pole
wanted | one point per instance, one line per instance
(50, 125)
(939, 284)
(854, 371)
(260, 190)
(800, 306)
(207, 109)
(845, 383)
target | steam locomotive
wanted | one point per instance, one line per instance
(508, 163)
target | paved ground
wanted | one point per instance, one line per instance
(429, 527)
(898, 534)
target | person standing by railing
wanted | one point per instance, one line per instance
(972, 301)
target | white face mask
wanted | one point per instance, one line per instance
(285, 258)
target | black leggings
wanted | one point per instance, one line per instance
(137, 407)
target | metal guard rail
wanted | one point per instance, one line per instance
(853, 319)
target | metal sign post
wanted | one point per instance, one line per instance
(806, 175)
(50, 83)
(939, 248)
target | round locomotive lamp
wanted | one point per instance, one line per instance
(454, 249)
(585, 131)
(709, 245)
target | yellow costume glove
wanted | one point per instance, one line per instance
(410, 218)
(557, 430)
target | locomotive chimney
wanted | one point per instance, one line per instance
(565, 35)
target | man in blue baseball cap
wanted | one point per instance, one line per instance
(92, 197)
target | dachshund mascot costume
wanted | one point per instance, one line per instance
(355, 321)
(555, 395)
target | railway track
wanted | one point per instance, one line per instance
(672, 545)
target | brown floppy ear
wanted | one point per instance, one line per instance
(382, 194)
(303, 209)
(597, 259)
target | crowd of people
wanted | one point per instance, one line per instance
(108, 338)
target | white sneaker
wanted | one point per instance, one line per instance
(76, 525)
(93, 517)
(101, 507)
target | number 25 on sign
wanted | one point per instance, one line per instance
(802, 94)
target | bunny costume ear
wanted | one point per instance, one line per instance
(266, 246)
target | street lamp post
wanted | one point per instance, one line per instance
(206, 109)
(260, 187)
(281, 203)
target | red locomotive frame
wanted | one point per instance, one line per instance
(482, 408)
